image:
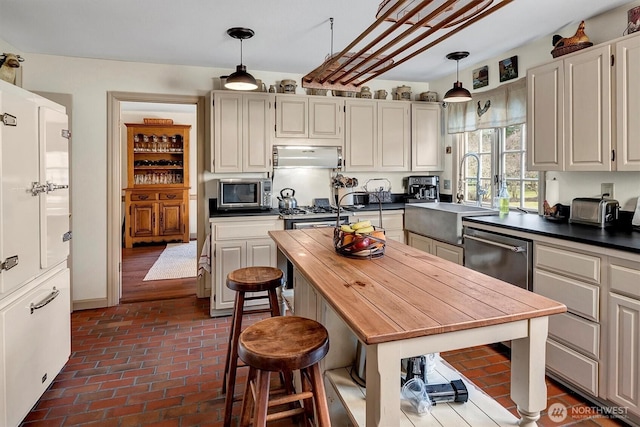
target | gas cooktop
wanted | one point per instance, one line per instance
(309, 210)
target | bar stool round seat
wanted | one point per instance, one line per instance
(284, 344)
(244, 281)
(254, 279)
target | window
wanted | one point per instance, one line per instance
(502, 154)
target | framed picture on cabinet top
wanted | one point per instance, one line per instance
(508, 68)
(481, 77)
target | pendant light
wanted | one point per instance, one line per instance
(457, 93)
(241, 80)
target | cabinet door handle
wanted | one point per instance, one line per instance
(35, 306)
(171, 196)
(153, 220)
(143, 196)
(160, 219)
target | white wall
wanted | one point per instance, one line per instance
(88, 81)
(600, 29)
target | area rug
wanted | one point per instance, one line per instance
(176, 261)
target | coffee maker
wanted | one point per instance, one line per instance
(423, 189)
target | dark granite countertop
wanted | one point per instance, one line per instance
(224, 214)
(615, 238)
(375, 207)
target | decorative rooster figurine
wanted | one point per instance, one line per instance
(578, 37)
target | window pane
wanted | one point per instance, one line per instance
(487, 140)
(531, 195)
(513, 165)
(472, 142)
(514, 138)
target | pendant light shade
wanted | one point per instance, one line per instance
(241, 80)
(457, 93)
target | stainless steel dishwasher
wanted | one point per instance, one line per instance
(506, 258)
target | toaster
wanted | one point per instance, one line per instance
(594, 211)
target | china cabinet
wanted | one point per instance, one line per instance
(157, 193)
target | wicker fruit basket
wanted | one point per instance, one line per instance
(360, 240)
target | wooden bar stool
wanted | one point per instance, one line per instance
(286, 344)
(243, 280)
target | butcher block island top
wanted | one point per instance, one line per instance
(406, 293)
(408, 303)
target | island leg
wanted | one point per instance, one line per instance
(383, 385)
(528, 387)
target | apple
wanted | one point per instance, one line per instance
(361, 243)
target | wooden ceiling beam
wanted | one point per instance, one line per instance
(341, 77)
(471, 21)
(416, 26)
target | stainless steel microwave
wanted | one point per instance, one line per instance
(243, 193)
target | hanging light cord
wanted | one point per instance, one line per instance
(331, 21)
(240, 51)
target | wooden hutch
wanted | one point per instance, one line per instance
(157, 193)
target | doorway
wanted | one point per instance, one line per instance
(120, 106)
(153, 271)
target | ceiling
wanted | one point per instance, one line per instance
(292, 36)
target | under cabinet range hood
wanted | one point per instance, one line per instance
(291, 156)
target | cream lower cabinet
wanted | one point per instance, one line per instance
(573, 347)
(392, 222)
(623, 370)
(435, 247)
(238, 243)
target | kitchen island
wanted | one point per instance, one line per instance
(408, 303)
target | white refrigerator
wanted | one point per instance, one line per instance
(35, 304)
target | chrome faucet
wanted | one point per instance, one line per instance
(479, 191)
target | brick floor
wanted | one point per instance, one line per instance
(160, 364)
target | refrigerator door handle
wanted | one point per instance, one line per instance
(35, 306)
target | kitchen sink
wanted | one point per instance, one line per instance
(442, 221)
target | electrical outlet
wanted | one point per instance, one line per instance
(447, 184)
(606, 189)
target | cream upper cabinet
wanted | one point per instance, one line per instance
(545, 108)
(569, 121)
(628, 104)
(426, 146)
(311, 117)
(572, 122)
(292, 119)
(242, 124)
(361, 139)
(587, 126)
(394, 136)
(377, 136)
